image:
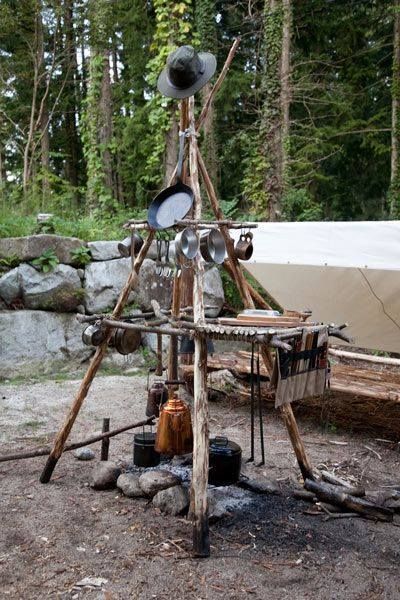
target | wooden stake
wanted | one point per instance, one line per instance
(65, 430)
(105, 444)
(199, 504)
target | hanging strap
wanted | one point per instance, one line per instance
(252, 402)
(260, 411)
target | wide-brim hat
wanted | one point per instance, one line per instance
(187, 71)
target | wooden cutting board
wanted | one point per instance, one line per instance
(261, 322)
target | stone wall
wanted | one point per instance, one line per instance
(39, 331)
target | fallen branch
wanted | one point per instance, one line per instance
(383, 360)
(92, 440)
(337, 496)
(335, 480)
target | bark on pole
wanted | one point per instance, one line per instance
(199, 503)
(65, 430)
(394, 163)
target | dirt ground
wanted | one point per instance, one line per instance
(55, 535)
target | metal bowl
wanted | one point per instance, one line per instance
(212, 246)
(187, 243)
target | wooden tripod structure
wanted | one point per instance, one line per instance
(198, 330)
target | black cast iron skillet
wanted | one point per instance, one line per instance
(173, 203)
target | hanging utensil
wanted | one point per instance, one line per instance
(173, 203)
(159, 257)
(212, 247)
(187, 243)
(252, 403)
(260, 411)
(124, 247)
(126, 341)
(174, 431)
(93, 335)
(244, 246)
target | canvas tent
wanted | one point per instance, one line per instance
(342, 271)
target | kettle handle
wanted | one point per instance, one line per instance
(220, 440)
(175, 382)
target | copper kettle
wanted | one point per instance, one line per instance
(174, 431)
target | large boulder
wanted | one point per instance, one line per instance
(28, 248)
(104, 281)
(104, 250)
(10, 288)
(34, 341)
(129, 485)
(59, 290)
(213, 292)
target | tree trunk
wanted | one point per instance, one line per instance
(274, 129)
(70, 116)
(394, 193)
(209, 146)
(105, 132)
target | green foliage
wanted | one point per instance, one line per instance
(47, 261)
(297, 205)
(81, 256)
(232, 296)
(10, 262)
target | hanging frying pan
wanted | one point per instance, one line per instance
(173, 203)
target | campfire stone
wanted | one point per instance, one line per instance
(105, 475)
(152, 482)
(172, 501)
(129, 485)
(84, 454)
(182, 460)
(260, 485)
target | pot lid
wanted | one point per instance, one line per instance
(223, 446)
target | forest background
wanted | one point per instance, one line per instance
(305, 127)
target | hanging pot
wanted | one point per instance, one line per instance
(225, 460)
(187, 243)
(244, 246)
(173, 203)
(157, 395)
(126, 340)
(93, 335)
(124, 247)
(187, 345)
(174, 431)
(144, 453)
(212, 247)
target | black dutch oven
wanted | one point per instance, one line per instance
(225, 461)
(144, 454)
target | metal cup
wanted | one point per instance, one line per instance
(187, 243)
(124, 247)
(244, 246)
(93, 335)
(212, 247)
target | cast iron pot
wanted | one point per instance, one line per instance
(225, 460)
(144, 454)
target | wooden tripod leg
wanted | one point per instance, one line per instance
(65, 430)
(291, 426)
(297, 443)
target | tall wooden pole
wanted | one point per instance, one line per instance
(199, 504)
(65, 430)
(178, 286)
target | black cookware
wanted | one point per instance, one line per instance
(225, 461)
(144, 454)
(173, 203)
